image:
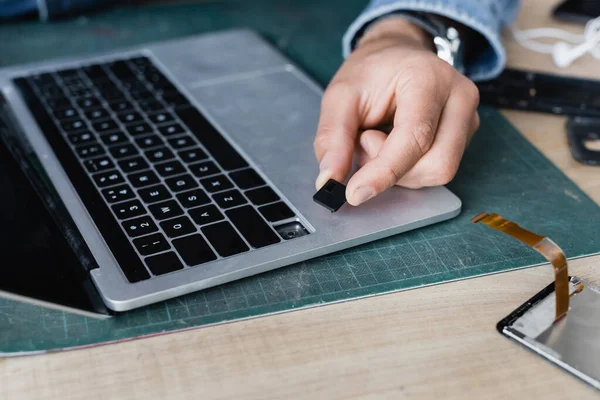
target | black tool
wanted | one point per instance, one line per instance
(331, 196)
(583, 135)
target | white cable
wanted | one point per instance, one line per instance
(563, 53)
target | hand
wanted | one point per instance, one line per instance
(393, 76)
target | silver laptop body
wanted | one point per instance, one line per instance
(268, 110)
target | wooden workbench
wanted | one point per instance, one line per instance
(438, 341)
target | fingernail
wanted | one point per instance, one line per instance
(361, 195)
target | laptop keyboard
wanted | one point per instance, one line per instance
(165, 189)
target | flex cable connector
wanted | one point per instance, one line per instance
(542, 245)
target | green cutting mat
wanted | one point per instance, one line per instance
(501, 172)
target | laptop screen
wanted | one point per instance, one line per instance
(36, 262)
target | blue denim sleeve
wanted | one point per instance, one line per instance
(487, 17)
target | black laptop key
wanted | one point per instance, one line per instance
(95, 72)
(216, 145)
(97, 114)
(140, 226)
(161, 118)
(252, 226)
(151, 244)
(133, 164)
(150, 105)
(50, 92)
(144, 178)
(193, 198)
(178, 227)
(66, 113)
(130, 118)
(231, 198)
(194, 250)
(224, 239)
(154, 193)
(262, 196)
(147, 142)
(123, 151)
(80, 138)
(129, 209)
(216, 183)
(88, 103)
(67, 74)
(121, 106)
(171, 129)
(158, 155)
(114, 138)
(73, 125)
(142, 94)
(247, 178)
(43, 79)
(192, 155)
(105, 126)
(165, 210)
(181, 183)
(161, 264)
(181, 142)
(118, 193)
(108, 178)
(58, 103)
(98, 164)
(276, 212)
(169, 168)
(111, 94)
(206, 215)
(139, 129)
(121, 70)
(90, 150)
(204, 169)
(175, 100)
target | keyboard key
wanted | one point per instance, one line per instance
(144, 178)
(247, 179)
(73, 125)
(96, 115)
(175, 100)
(81, 138)
(154, 193)
(131, 118)
(193, 198)
(83, 93)
(67, 74)
(193, 155)
(95, 72)
(276, 212)
(149, 141)
(66, 113)
(114, 138)
(194, 250)
(139, 129)
(224, 239)
(142, 94)
(216, 183)
(161, 118)
(133, 164)
(98, 164)
(59, 103)
(212, 141)
(180, 183)
(43, 79)
(105, 126)
(231, 198)
(52, 91)
(204, 169)
(124, 150)
(161, 264)
(108, 178)
(262, 196)
(178, 227)
(171, 129)
(118, 193)
(166, 209)
(206, 215)
(140, 226)
(120, 70)
(252, 227)
(150, 105)
(181, 142)
(151, 244)
(90, 150)
(88, 103)
(169, 168)
(158, 155)
(129, 209)
(121, 106)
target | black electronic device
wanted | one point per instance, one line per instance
(583, 135)
(579, 11)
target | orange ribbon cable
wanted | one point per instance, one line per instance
(542, 245)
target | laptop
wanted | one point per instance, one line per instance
(133, 177)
